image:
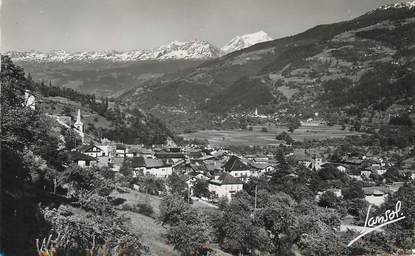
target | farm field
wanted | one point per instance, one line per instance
(241, 137)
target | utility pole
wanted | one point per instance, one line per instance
(188, 194)
(256, 191)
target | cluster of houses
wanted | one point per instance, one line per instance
(362, 169)
(225, 173)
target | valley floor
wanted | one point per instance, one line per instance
(241, 137)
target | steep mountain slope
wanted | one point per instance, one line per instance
(101, 118)
(111, 73)
(103, 78)
(296, 72)
(244, 41)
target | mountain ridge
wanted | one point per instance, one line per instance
(244, 41)
(294, 71)
(194, 49)
(175, 50)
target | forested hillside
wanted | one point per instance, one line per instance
(110, 119)
(36, 175)
(365, 65)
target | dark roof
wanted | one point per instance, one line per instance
(76, 156)
(235, 164)
(207, 151)
(88, 148)
(194, 173)
(197, 154)
(227, 179)
(137, 162)
(198, 168)
(376, 190)
(119, 146)
(169, 155)
(353, 161)
(156, 163)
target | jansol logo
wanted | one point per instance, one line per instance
(376, 222)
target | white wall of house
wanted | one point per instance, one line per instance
(94, 153)
(225, 190)
(107, 150)
(83, 163)
(239, 174)
(160, 172)
(376, 200)
(381, 171)
(341, 168)
(366, 173)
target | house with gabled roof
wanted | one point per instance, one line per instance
(156, 167)
(92, 150)
(120, 150)
(225, 185)
(235, 167)
(376, 195)
(173, 156)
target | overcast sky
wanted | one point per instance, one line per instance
(77, 25)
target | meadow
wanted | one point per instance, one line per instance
(241, 137)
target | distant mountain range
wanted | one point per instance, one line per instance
(190, 50)
(362, 65)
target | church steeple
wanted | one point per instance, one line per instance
(79, 125)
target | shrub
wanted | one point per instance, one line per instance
(145, 209)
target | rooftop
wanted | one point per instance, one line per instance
(235, 164)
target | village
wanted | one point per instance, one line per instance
(225, 171)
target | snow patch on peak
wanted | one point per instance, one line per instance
(408, 5)
(244, 41)
(195, 49)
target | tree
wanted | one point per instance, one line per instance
(177, 185)
(328, 199)
(393, 175)
(402, 231)
(72, 140)
(150, 184)
(353, 191)
(293, 124)
(201, 188)
(172, 209)
(127, 169)
(24, 172)
(67, 111)
(403, 119)
(285, 137)
(236, 229)
(190, 236)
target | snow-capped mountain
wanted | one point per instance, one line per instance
(244, 41)
(188, 50)
(407, 5)
(195, 49)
